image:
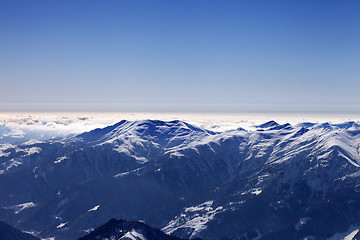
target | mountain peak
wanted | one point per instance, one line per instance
(121, 229)
(143, 128)
(268, 124)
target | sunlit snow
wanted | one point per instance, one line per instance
(20, 207)
(195, 218)
(61, 225)
(94, 208)
(133, 235)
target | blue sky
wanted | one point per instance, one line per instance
(233, 56)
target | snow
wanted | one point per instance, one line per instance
(195, 217)
(28, 151)
(141, 160)
(255, 191)
(348, 235)
(133, 235)
(94, 208)
(122, 174)
(262, 178)
(4, 147)
(87, 231)
(61, 225)
(203, 206)
(20, 207)
(176, 154)
(11, 164)
(351, 235)
(4, 154)
(60, 159)
(32, 142)
(349, 160)
(34, 233)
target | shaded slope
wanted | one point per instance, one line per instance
(9, 233)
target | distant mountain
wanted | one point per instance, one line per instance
(9, 233)
(271, 182)
(120, 229)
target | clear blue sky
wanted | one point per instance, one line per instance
(191, 55)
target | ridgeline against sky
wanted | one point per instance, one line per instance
(235, 56)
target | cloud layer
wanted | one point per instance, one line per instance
(21, 127)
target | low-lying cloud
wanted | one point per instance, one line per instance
(21, 127)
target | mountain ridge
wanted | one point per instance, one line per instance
(7, 232)
(194, 180)
(121, 229)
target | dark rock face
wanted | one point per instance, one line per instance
(9, 233)
(120, 229)
(272, 182)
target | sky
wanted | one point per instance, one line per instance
(180, 56)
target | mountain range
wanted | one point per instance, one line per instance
(274, 181)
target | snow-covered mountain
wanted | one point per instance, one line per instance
(272, 182)
(124, 230)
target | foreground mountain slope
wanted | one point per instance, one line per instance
(9, 233)
(120, 229)
(273, 182)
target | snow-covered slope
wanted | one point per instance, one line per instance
(124, 230)
(272, 182)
